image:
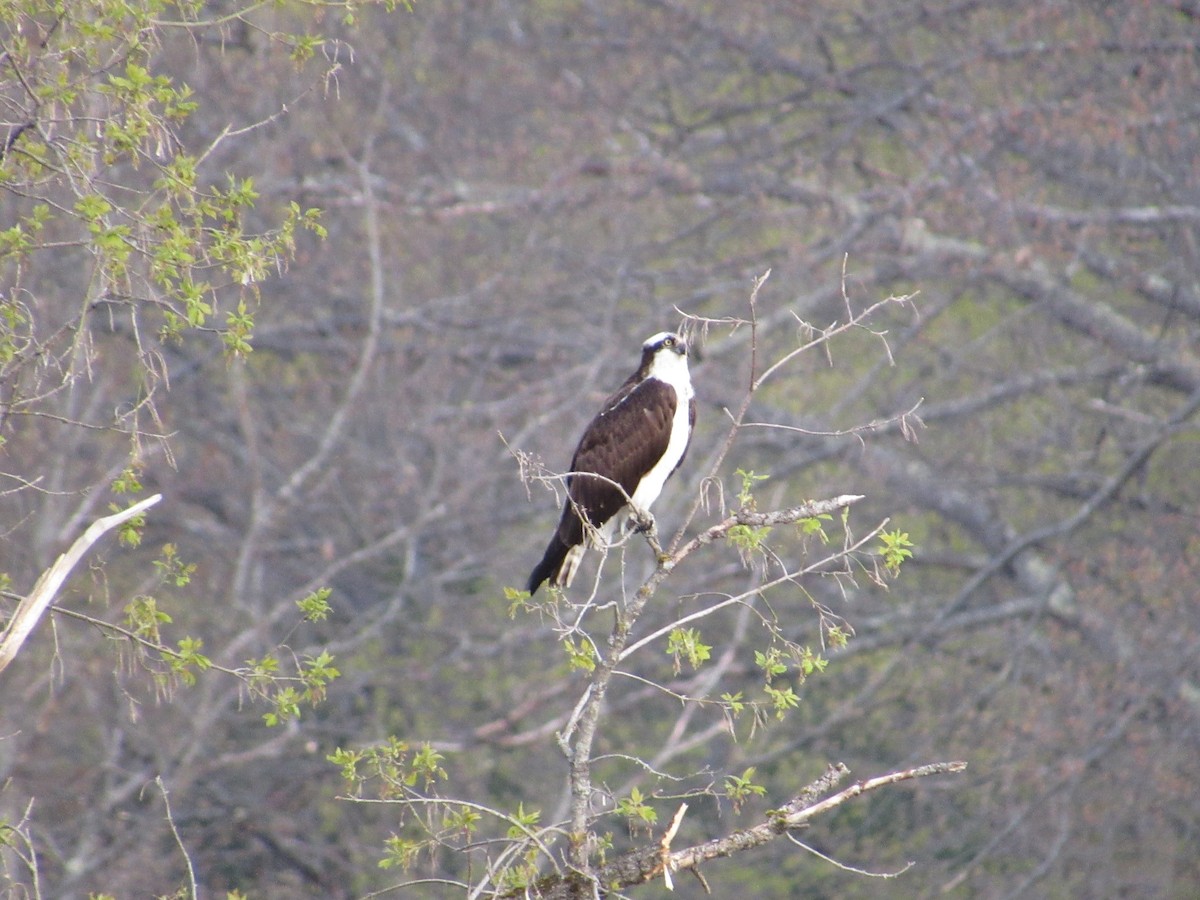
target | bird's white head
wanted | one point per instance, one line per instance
(665, 340)
(665, 357)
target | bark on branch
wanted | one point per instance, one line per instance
(789, 516)
(652, 861)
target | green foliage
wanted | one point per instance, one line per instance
(635, 810)
(239, 329)
(96, 165)
(811, 662)
(745, 495)
(391, 767)
(187, 659)
(130, 532)
(518, 601)
(265, 678)
(172, 569)
(427, 765)
(261, 674)
(516, 878)
(738, 788)
(316, 607)
(747, 539)
(685, 643)
(837, 636)
(462, 819)
(304, 46)
(780, 700)
(143, 618)
(14, 324)
(895, 549)
(771, 662)
(397, 771)
(127, 189)
(401, 852)
(314, 675)
(580, 656)
(523, 821)
(800, 662)
(814, 526)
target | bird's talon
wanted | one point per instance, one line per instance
(641, 522)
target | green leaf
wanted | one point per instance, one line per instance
(262, 672)
(635, 809)
(172, 569)
(188, 658)
(686, 644)
(523, 821)
(517, 601)
(580, 656)
(746, 538)
(143, 618)
(463, 819)
(401, 852)
(782, 699)
(92, 207)
(772, 662)
(811, 662)
(733, 702)
(746, 492)
(315, 607)
(287, 707)
(127, 482)
(812, 525)
(738, 788)
(426, 765)
(895, 549)
(318, 672)
(239, 328)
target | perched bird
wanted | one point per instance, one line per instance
(625, 457)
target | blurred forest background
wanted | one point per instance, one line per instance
(515, 195)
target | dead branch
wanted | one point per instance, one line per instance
(30, 610)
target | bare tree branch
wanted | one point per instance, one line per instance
(30, 610)
(646, 863)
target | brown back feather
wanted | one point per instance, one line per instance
(625, 441)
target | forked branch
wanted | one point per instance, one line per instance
(656, 860)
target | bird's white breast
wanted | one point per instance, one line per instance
(671, 368)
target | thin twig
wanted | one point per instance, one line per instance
(845, 868)
(162, 789)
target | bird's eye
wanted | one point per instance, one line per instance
(670, 342)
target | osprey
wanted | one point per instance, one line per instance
(624, 458)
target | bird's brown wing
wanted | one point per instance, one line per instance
(624, 442)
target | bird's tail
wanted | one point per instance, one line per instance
(558, 565)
